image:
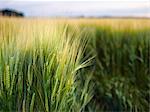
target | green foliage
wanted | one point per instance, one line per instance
(122, 69)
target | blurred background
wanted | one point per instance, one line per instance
(101, 8)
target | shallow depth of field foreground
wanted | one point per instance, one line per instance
(74, 65)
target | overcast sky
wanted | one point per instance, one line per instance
(46, 8)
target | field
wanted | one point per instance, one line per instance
(77, 65)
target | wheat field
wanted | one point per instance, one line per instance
(77, 65)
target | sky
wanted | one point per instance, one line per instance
(96, 8)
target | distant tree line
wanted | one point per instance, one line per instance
(10, 12)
